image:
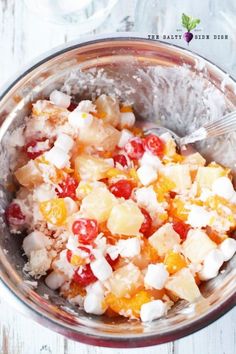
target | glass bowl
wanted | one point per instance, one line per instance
(165, 84)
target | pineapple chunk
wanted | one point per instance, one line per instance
(98, 204)
(108, 109)
(180, 175)
(100, 135)
(183, 285)
(90, 168)
(207, 175)
(29, 175)
(197, 245)
(125, 280)
(164, 239)
(125, 218)
(194, 161)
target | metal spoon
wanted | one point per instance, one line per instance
(225, 124)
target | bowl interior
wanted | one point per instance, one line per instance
(164, 84)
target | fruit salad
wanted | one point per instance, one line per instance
(118, 222)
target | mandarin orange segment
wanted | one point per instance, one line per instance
(174, 262)
(77, 260)
(215, 236)
(134, 176)
(73, 290)
(163, 186)
(128, 307)
(148, 255)
(125, 109)
(54, 211)
(114, 172)
(218, 203)
(177, 209)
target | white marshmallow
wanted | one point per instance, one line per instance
(127, 119)
(223, 187)
(94, 304)
(125, 136)
(80, 119)
(71, 206)
(211, 265)
(44, 192)
(147, 174)
(63, 266)
(72, 243)
(152, 310)
(130, 247)
(101, 269)
(151, 160)
(55, 280)
(96, 288)
(57, 157)
(36, 240)
(156, 276)
(39, 262)
(146, 198)
(198, 216)
(60, 99)
(113, 252)
(86, 106)
(64, 142)
(228, 248)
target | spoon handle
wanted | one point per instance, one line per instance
(224, 125)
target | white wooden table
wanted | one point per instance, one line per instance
(22, 38)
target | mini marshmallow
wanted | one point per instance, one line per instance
(127, 119)
(72, 243)
(62, 265)
(94, 304)
(44, 192)
(228, 248)
(101, 269)
(223, 187)
(130, 247)
(55, 280)
(86, 106)
(64, 142)
(147, 174)
(156, 276)
(125, 136)
(152, 310)
(80, 119)
(198, 216)
(60, 99)
(96, 288)
(151, 160)
(113, 252)
(211, 265)
(36, 240)
(57, 157)
(71, 206)
(39, 262)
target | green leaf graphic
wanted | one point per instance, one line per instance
(185, 21)
(189, 22)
